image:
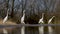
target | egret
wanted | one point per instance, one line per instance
(6, 18)
(41, 20)
(22, 19)
(50, 29)
(4, 21)
(22, 22)
(41, 31)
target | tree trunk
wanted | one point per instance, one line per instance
(12, 8)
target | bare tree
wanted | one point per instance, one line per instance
(7, 3)
(12, 8)
(24, 3)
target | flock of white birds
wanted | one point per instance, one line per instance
(41, 28)
(41, 31)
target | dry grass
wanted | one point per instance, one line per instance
(9, 22)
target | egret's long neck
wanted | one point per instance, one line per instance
(52, 17)
(42, 15)
(24, 15)
(7, 13)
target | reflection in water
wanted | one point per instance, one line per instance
(41, 31)
(50, 29)
(5, 31)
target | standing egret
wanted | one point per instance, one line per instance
(50, 29)
(41, 31)
(22, 22)
(4, 21)
(6, 18)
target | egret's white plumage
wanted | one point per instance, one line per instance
(4, 21)
(50, 29)
(22, 21)
(41, 31)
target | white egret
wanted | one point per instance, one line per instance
(50, 29)
(22, 22)
(22, 19)
(6, 18)
(4, 21)
(41, 20)
(41, 31)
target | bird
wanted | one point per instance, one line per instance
(4, 21)
(41, 31)
(22, 19)
(41, 20)
(50, 29)
(6, 18)
(22, 22)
